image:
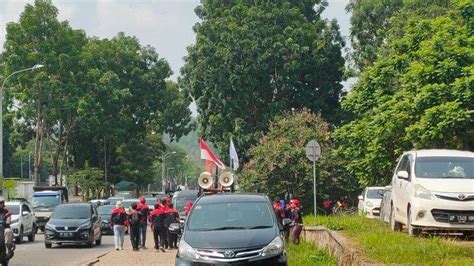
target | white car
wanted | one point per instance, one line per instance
(22, 221)
(369, 201)
(433, 190)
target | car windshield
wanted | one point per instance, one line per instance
(375, 193)
(128, 204)
(105, 210)
(45, 202)
(113, 201)
(444, 167)
(228, 216)
(14, 209)
(72, 212)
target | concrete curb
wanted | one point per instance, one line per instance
(337, 244)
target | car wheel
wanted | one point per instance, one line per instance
(47, 245)
(32, 236)
(19, 239)
(98, 242)
(412, 231)
(91, 240)
(394, 225)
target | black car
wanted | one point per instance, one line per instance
(73, 223)
(105, 213)
(232, 229)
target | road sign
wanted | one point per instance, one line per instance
(313, 150)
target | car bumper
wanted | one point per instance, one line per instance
(372, 212)
(440, 214)
(280, 260)
(67, 237)
(106, 230)
(15, 229)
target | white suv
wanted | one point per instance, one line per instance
(433, 190)
(22, 221)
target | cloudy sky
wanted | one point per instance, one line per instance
(163, 24)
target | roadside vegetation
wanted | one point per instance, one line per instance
(308, 254)
(377, 243)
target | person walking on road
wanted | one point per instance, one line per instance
(134, 221)
(157, 220)
(172, 217)
(296, 221)
(119, 222)
(144, 211)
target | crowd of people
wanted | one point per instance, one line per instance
(137, 219)
(292, 211)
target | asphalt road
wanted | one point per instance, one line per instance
(35, 253)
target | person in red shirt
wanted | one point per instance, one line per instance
(172, 216)
(144, 211)
(119, 221)
(157, 221)
(134, 221)
(187, 207)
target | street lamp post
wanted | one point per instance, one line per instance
(163, 181)
(1, 118)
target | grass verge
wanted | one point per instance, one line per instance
(308, 254)
(379, 244)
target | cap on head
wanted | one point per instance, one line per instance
(119, 204)
(142, 200)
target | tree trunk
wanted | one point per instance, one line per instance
(38, 145)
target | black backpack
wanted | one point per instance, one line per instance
(134, 219)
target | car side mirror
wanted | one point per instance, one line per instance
(360, 197)
(286, 222)
(25, 213)
(388, 188)
(402, 174)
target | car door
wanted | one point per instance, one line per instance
(398, 187)
(27, 219)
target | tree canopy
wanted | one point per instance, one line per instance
(417, 96)
(254, 60)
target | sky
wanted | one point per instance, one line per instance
(163, 24)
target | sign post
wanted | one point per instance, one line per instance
(313, 152)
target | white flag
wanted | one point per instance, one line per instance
(234, 158)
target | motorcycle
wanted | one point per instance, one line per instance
(6, 253)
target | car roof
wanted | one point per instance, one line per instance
(441, 152)
(14, 202)
(375, 187)
(232, 197)
(128, 200)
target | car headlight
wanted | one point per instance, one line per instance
(85, 226)
(185, 251)
(369, 204)
(50, 227)
(423, 193)
(275, 247)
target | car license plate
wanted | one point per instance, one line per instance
(460, 219)
(65, 234)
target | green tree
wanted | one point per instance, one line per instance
(90, 180)
(417, 96)
(279, 160)
(254, 60)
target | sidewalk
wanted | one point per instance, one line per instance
(143, 257)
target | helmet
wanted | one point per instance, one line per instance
(295, 202)
(2, 200)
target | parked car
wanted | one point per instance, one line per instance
(99, 202)
(23, 221)
(232, 228)
(105, 213)
(433, 190)
(385, 205)
(369, 201)
(180, 198)
(114, 200)
(73, 223)
(127, 204)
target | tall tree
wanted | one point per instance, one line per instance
(254, 60)
(417, 96)
(372, 20)
(48, 99)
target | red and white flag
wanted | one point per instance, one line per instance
(208, 155)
